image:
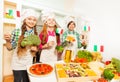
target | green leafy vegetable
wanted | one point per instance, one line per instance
(59, 48)
(85, 54)
(116, 64)
(108, 74)
(30, 40)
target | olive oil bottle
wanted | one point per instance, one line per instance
(67, 56)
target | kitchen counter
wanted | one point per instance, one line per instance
(52, 77)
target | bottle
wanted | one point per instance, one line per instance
(67, 56)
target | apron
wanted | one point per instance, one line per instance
(48, 55)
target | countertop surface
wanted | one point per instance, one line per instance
(52, 77)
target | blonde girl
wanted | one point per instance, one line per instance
(22, 56)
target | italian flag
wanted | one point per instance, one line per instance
(59, 30)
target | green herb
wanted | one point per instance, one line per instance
(59, 48)
(108, 74)
(85, 54)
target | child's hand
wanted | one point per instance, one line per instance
(34, 48)
(84, 43)
(7, 37)
(51, 43)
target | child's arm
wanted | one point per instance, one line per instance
(78, 40)
(7, 37)
(41, 46)
(11, 39)
(64, 36)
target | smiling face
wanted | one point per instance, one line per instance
(31, 21)
(50, 22)
(71, 25)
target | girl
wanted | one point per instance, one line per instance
(49, 39)
(21, 58)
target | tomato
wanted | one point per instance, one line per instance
(107, 62)
(82, 60)
(118, 74)
(102, 80)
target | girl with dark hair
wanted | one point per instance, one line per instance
(72, 36)
(22, 56)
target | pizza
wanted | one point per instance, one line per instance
(40, 69)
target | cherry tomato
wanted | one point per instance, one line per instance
(107, 62)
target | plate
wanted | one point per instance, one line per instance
(40, 69)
